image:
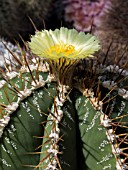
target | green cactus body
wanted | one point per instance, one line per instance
(61, 136)
(47, 125)
(96, 147)
(24, 97)
(50, 146)
(72, 123)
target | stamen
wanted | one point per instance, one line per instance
(62, 48)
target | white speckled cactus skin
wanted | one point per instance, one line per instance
(46, 125)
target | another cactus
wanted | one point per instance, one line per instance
(14, 16)
(49, 125)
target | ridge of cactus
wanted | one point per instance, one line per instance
(106, 87)
(22, 109)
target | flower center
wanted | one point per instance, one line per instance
(62, 48)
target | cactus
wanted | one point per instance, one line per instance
(49, 122)
(116, 31)
(14, 16)
(17, 97)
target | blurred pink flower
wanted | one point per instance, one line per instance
(83, 12)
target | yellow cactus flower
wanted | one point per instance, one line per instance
(62, 48)
(67, 43)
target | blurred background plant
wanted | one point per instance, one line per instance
(107, 19)
(14, 17)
